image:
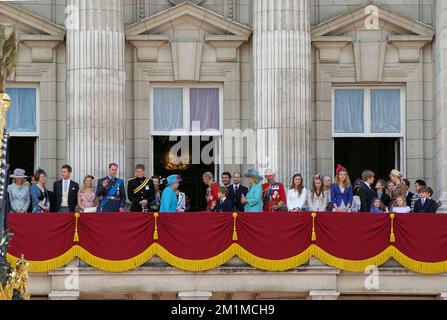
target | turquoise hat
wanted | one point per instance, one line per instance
(173, 179)
(254, 174)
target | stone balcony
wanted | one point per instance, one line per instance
(236, 280)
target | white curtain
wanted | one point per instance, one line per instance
(21, 115)
(168, 109)
(204, 104)
(348, 115)
(385, 111)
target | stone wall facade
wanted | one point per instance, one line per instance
(409, 60)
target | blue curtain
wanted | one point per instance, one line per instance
(168, 109)
(348, 115)
(22, 113)
(204, 104)
(385, 111)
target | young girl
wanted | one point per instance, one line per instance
(341, 191)
(400, 206)
(317, 198)
(377, 206)
(297, 194)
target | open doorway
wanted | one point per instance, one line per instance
(193, 168)
(22, 151)
(380, 155)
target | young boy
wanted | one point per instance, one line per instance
(425, 204)
(223, 204)
(381, 193)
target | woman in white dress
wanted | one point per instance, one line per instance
(297, 194)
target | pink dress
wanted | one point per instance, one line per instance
(88, 199)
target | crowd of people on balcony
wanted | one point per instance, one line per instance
(163, 195)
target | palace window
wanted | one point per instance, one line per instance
(22, 115)
(368, 112)
(186, 110)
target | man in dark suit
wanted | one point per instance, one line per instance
(111, 192)
(226, 182)
(65, 192)
(410, 194)
(425, 204)
(236, 190)
(224, 204)
(366, 191)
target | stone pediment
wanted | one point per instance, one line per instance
(187, 28)
(369, 31)
(372, 17)
(27, 23)
(40, 35)
(188, 16)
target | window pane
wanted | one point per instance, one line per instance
(385, 111)
(204, 104)
(168, 109)
(22, 113)
(348, 115)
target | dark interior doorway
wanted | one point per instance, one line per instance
(192, 184)
(22, 154)
(380, 155)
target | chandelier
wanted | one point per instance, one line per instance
(173, 162)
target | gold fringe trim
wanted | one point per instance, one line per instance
(351, 265)
(274, 265)
(115, 266)
(234, 250)
(196, 265)
(47, 265)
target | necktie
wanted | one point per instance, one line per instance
(65, 186)
(235, 188)
(423, 202)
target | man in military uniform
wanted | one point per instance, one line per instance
(141, 191)
(273, 193)
(111, 192)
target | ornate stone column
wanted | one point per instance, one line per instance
(96, 86)
(440, 145)
(282, 79)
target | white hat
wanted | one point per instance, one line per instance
(19, 174)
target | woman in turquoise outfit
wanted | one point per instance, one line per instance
(253, 200)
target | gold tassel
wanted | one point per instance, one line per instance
(392, 236)
(234, 227)
(314, 234)
(76, 235)
(156, 226)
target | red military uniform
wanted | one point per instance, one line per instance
(272, 195)
(211, 196)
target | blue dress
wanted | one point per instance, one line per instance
(169, 200)
(39, 197)
(254, 198)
